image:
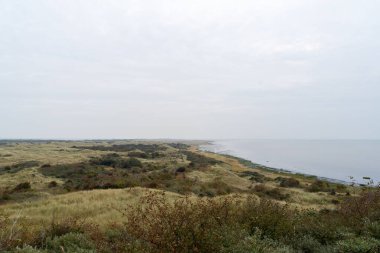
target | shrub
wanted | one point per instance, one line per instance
(138, 154)
(374, 229)
(154, 155)
(5, 155)
(85, 176)
(126, 147)
(53, 184)
(356, 211)
(288, 182)
(130, 163)
(274, 193)
(18, 167)
(28, 249)
(309, 244)
(258, 244)
(323, 226)
(359, 245)
(181, 170)
(260, 188)
(273, 219)
(214, 188)
(183, 226)
(225, 224)
(71, 243)
(152, 185)
(111, 160)
(254, 176)
(68, 225)
(341, 188)
(24, 165)
(4, 195)
(178, 145)
(198, 161)
(22, 187)
(318, 186)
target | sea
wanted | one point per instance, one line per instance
(342, 160)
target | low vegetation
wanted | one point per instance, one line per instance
(288, 182)
(170, 197)
(14, 168)
(223, 224)
(148, 148)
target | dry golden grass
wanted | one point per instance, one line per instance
(222, 172)
(46, 153)
(37, 180)
(100, 207)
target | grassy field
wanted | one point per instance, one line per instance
(51, 189)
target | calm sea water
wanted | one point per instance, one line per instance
(335, 159)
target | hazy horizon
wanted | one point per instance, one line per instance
(210, 69)
(177, 139)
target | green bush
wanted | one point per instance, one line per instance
(198, 161)
(214, 188)
(309, 244)
(70, 243)
(110, 160)
(178, 145)
(138, 154)
(274, 193)
(130, 163)
(319, 186)
(206, 225)
(258, 244)
(359, 245)
(273, 219)
(288, 182)
(126, 147)
(27, 249)
(325, 227)
(373, 228)
(116, 161)
(73, 224)
(18, 167)
(254, 176)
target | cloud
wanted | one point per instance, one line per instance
(198, 65)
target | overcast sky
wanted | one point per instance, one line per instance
(190, 69)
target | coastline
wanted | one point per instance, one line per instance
(252, 164)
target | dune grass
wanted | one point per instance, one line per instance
(100, 207)
(58, 173)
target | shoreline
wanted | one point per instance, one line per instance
(252, 164)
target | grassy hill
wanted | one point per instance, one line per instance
(160, 196)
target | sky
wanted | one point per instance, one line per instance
(194, 69)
